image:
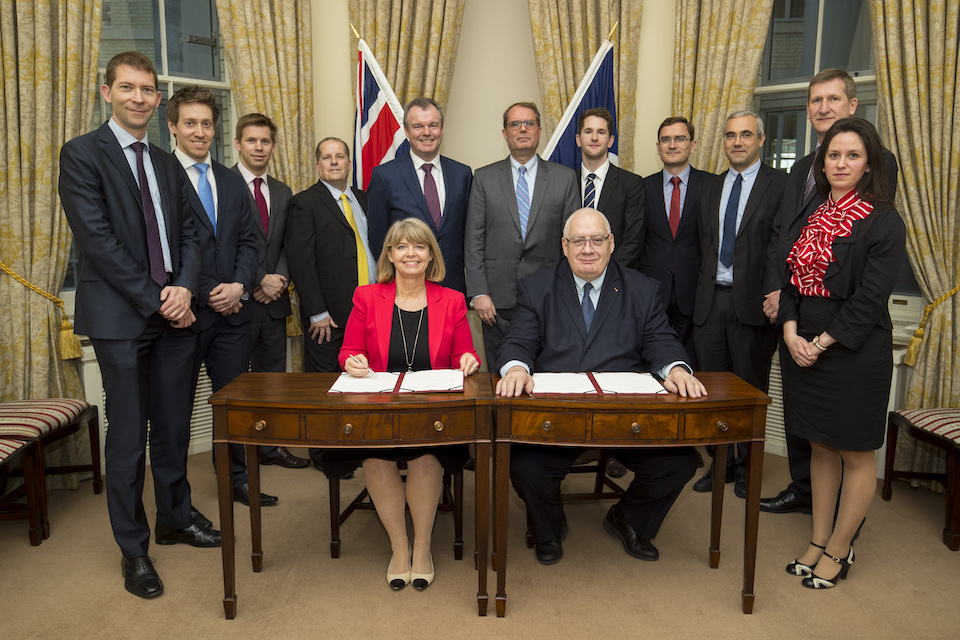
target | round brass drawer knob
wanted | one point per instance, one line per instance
(348, 428)
(438, 425)
(260, 425)
(547, 425)
(635, 427)
(723, 426)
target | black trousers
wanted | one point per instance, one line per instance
(660, 475)
(321, 357)
(493, 335)
(683, 325)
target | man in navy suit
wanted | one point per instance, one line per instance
(588, 313)
(425, 185)
(126, 202)
(228, 254)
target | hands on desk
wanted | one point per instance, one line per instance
(357, 365)
(515, 383)
(681, 381)
(469, 364)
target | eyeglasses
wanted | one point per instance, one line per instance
(514, 125)
(746, 136)
(677, 139)
(596, 241)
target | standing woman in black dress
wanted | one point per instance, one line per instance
(836, 352)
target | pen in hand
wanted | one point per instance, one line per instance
(369, 370)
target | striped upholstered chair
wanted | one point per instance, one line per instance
(941, 428)
(23, 454)
(46, 421)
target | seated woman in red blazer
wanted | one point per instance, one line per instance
(406, 322)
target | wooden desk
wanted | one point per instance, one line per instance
(732, 412)
(294, 409)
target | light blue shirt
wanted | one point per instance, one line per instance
(725, 274)
(668, 189)
(190, 167)
(125, 138)
(532, 165)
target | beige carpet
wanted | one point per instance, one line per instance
(905, 583)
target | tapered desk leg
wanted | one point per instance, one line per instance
(483, 522)
(225, 493)
(754, 475)
(501, 501)
(253, 480)
(716, 515)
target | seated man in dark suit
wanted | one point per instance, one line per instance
(588, 313)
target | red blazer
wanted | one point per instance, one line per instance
(370, 322)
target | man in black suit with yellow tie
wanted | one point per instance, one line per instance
(126, 202)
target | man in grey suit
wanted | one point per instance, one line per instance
(515, 220)
(256, 141)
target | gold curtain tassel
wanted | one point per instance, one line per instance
(69, 342)
(913, 348)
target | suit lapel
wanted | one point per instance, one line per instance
(609, 185)
(689, 201)
(609, 300)
(112, 149)
(436, 312)
(716, 198)
(383, 303)
(539, 191)
(200, 212)
(567, 291)
(409, 176)
(756, 195)
(805, 168)
(509, 192)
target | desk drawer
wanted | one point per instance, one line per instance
(264, 424)
(350, 427)
(631, 426)
(548, 427)
(721, 424)
(436, 425)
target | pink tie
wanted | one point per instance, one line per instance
(675, 206)
(261, 203)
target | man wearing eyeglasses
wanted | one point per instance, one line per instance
(515, 217)
(590, 313)
(736, 213)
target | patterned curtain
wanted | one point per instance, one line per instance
(918, 83)
(716, 58)
(415, 43)
(271, 73)
(49, 54)
(566, 36)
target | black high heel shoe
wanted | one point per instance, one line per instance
(797, 568)
(816, 582)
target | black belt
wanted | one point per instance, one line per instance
(725, 287)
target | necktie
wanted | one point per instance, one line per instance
(586, 305)
(730, 223)
(206, 194)
(811, 182)
(154, 249)
(675, 206)
(523, 201)
(431, 194)
(363, 272)
(261, 204)
(590, 192)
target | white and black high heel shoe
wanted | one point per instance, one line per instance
(816, 582)
(797, 568)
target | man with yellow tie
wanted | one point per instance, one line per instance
(328, 254)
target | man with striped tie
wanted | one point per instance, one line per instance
(515, 219)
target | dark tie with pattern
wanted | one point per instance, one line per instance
(261, 204)
(431, 194)
(730, 223)
(587, 306)
(154, 248)
(590, 191)
(675, 206)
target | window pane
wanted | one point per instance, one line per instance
(790, 51)
(784, 130)
(192, 48)
(130, 25)
(847, 37)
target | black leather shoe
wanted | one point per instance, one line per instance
(705, 483)
(740, 484)
(241, 494)
(551, 552)
(785, 502)
(140, 578)
(194, 535)
(200, 519)
(280, 456)
(617, 526)
(615, 468)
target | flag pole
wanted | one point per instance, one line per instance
(357, 33)
(608, 37)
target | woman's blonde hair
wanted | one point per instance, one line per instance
(416, 232)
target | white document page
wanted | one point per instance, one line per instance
(383, 383)
(562, 383)
(628, 382)
(432, 380)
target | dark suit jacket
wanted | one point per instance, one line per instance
(230, 254)
(673, 262)
(395, 194)
(496, 254)
(750, 250)
(272, 257)
(622, 202)
(101, 198)
(369, 327)
(322, 252)
(861, 278)
(630, 331)
(793, 216)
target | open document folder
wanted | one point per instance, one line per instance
(607, 382)
(429, 381)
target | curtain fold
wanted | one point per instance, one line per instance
(918, 84)
(271, 73)
(717, 54)
(49, 52)
(566, 36)
(415, 43)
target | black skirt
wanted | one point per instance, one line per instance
(840, 401)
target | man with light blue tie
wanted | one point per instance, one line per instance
(736, 214)
(515, 219)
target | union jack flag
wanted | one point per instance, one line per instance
(378, 135)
